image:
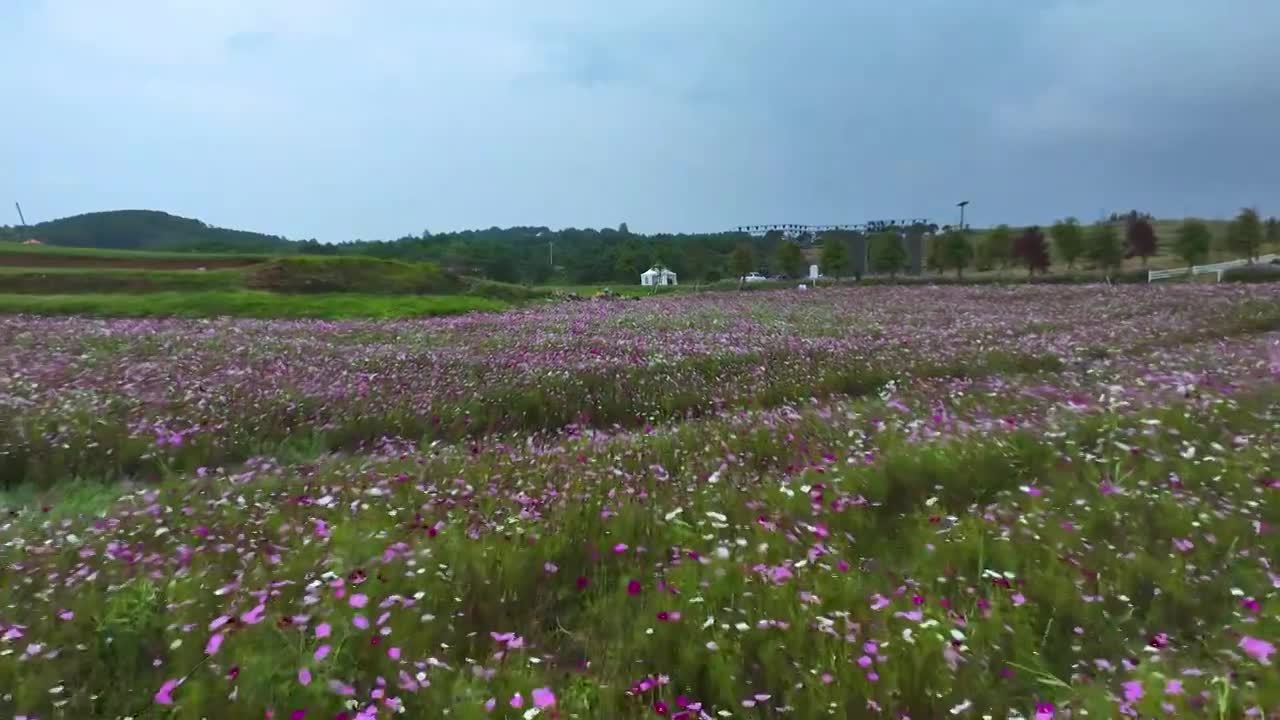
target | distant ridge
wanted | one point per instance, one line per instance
(151, 230)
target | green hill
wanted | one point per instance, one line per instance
(151, 230)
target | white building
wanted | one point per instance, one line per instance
(657, 276)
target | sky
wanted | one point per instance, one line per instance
(345, 119)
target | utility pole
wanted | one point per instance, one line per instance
(961, 205)
(551, 253)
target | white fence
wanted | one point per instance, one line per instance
(1214, 269)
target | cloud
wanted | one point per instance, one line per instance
(340, 119)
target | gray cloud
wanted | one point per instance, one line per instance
(341, 119)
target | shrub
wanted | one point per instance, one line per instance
(352, 274)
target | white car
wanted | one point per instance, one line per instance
(754, 277)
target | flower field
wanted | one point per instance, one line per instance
(1032, 502)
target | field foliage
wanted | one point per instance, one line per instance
(1007, 502)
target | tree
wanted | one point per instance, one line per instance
(623, 229)
(1192, 243)
(956, 251)
(741, 262)
(1141, 238)
(835, 256)
(1273, 231)
(933, 259)
(1104, 247)
(1031, 250)
(997, 245)
(695, 260)
(887, 253)
(1068, 240)
(790, 259)
(1244, 235)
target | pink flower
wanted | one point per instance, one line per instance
(1132, 690)
(879, 602)
(66, 615)
(633, 587)
(1044, 711)
(619, 548)
(164, 696)
(322, 652)
(543, 698)
(550, 568)
(254, 616)
(516, 701)
(361, 622)
(359, 600)
(219, 622)
(393, 653)
(214, 643)
(323, 631)
(304, 676)
(1173, 687)
(490, 704)
(1257, 649)
(1019, 599)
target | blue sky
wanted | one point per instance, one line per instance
(343, 119)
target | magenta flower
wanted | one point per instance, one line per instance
(490, 704)
(1132, 690)
(543, 698)
(298, 715)
(619, 548)
(359, 600)
(164, 696)
(304, 676)
(361, 622)
(215, 642)
(254, 616)
(1259, 650)
(323, 630)
(219, 622)
(879, 602)
(516, 701)
(633, 587)
(1045, 710)
(393, 653)
(1173, 687)
(1018, 599)
(322, 652)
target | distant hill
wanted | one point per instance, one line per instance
(151, 230)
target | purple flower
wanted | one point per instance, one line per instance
(543, 698)
(1259, 650)
(164, 696)
(215, 642)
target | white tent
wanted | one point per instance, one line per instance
(657, 276)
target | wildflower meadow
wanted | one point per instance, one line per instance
(1030, 502)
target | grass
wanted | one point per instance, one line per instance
(12, 248)
(246, 303)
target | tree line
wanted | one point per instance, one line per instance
(1105, 245)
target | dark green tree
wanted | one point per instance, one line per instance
(741, 262)
(835, 256)
(997, 245)
(1068, 240)
(1245, 233)
(1192, 242)
(887, 253)
(790, 259)
(956, 251)
(1104, 248)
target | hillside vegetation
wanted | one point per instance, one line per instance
(151, 230)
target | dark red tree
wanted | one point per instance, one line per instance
(1032, 250)
(1142, 239)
